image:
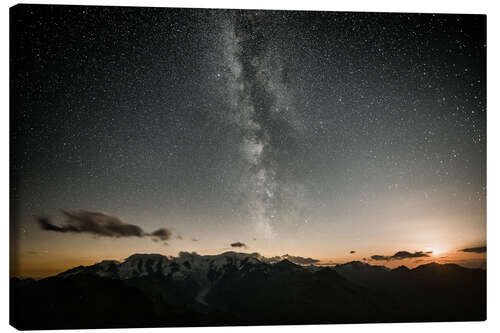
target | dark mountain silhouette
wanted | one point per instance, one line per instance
(430, 292)
(243, 289)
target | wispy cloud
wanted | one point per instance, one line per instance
(479, 249)
(162, 234)
(379, 257)
(301, 260)
(400, 255)
(100, 224)
(295, 259)
(406, 255)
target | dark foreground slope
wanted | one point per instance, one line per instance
(240, 291)
(87, 301)
(430, 292)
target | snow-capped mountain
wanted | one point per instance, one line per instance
(204, 270)
(186, 265)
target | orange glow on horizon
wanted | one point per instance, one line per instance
(47, 264)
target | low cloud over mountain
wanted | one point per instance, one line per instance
(480, 249)
(400, 255)
(295, 259)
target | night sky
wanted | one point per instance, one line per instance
(335, 136)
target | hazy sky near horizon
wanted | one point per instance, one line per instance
(308, 133)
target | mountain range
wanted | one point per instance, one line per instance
(152, 290)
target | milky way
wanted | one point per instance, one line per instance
(262, 107)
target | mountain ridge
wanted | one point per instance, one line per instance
(232, 256)
(233, 288)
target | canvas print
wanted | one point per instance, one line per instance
(211, 167)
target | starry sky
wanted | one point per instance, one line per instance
(331, 135)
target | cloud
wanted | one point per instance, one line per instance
(272, 259)
(379, 257)
(480, 249)
(162, 234)
(328, 263)
(45, 224)
(238, 244)
(300, 260)
(100, 224)
(405, 255)
(295, 259)
(351, 252)
(400, 255)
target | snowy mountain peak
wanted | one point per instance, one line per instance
(199, 268)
